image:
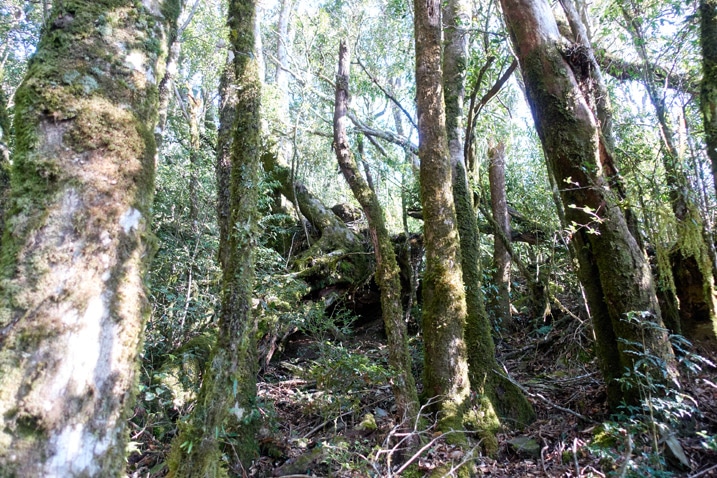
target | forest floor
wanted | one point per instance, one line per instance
(328, 410)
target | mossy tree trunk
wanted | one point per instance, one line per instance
(612, 269)
(584, 60)
(166, 87)
(227, 398)
(194, 110)
(223, 166)
(444, 303)
(72, 302)
(690, 262)
(496, 396)
(387, 273)
(500, 302)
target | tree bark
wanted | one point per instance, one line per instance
(501, 257)
(495, 395)
(227, 117)
(612, 269)
(166, 85)
(281, 79)
(72, 302)
(690, 262)
(4, 160)
(387, 274)
(444, 304)
(194, 109)
(227, 399)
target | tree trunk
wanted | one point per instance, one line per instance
(500, 302)
(444, 304)
(708, 95)
(387, 272)
(690, 262)
(281, 79)
(4, 160)
(194, 109)
(227, 117)
(335, 237)
(72, 302)
(496, 396)
(585, 66)
(166, 88)
(227, 399)
(612, 269)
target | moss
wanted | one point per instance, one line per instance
(483, 419)
(502, 397)
(442, 471)
(81, 161)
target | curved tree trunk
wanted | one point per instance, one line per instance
(387, 272)
(228, 394)
(612, 269)
(335, 236)
(444, 304)
(72, 303)
(497, 396)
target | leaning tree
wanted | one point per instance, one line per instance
(612, 268)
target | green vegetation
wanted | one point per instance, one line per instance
(268, 271)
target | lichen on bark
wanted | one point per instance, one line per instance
(444, 302)
(612, 268)
(72, 303)
(227, 399)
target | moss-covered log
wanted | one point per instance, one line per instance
(227, 399)
(72, 303)
(387, 273)
(338, 256)
(612, 268)
(444, 303)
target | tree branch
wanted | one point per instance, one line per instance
(624, 70)
(388, 95)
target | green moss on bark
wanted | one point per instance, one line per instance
(75, 244)
(227, 399)
(606, 249)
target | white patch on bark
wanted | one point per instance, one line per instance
(81, 364)
(237, 411)
(150, 76)
(82, 373)
(71, 454)
(153, 7)
(135, 60)
(130, 220)
(76, 451)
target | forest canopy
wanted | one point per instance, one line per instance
(358, 238)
